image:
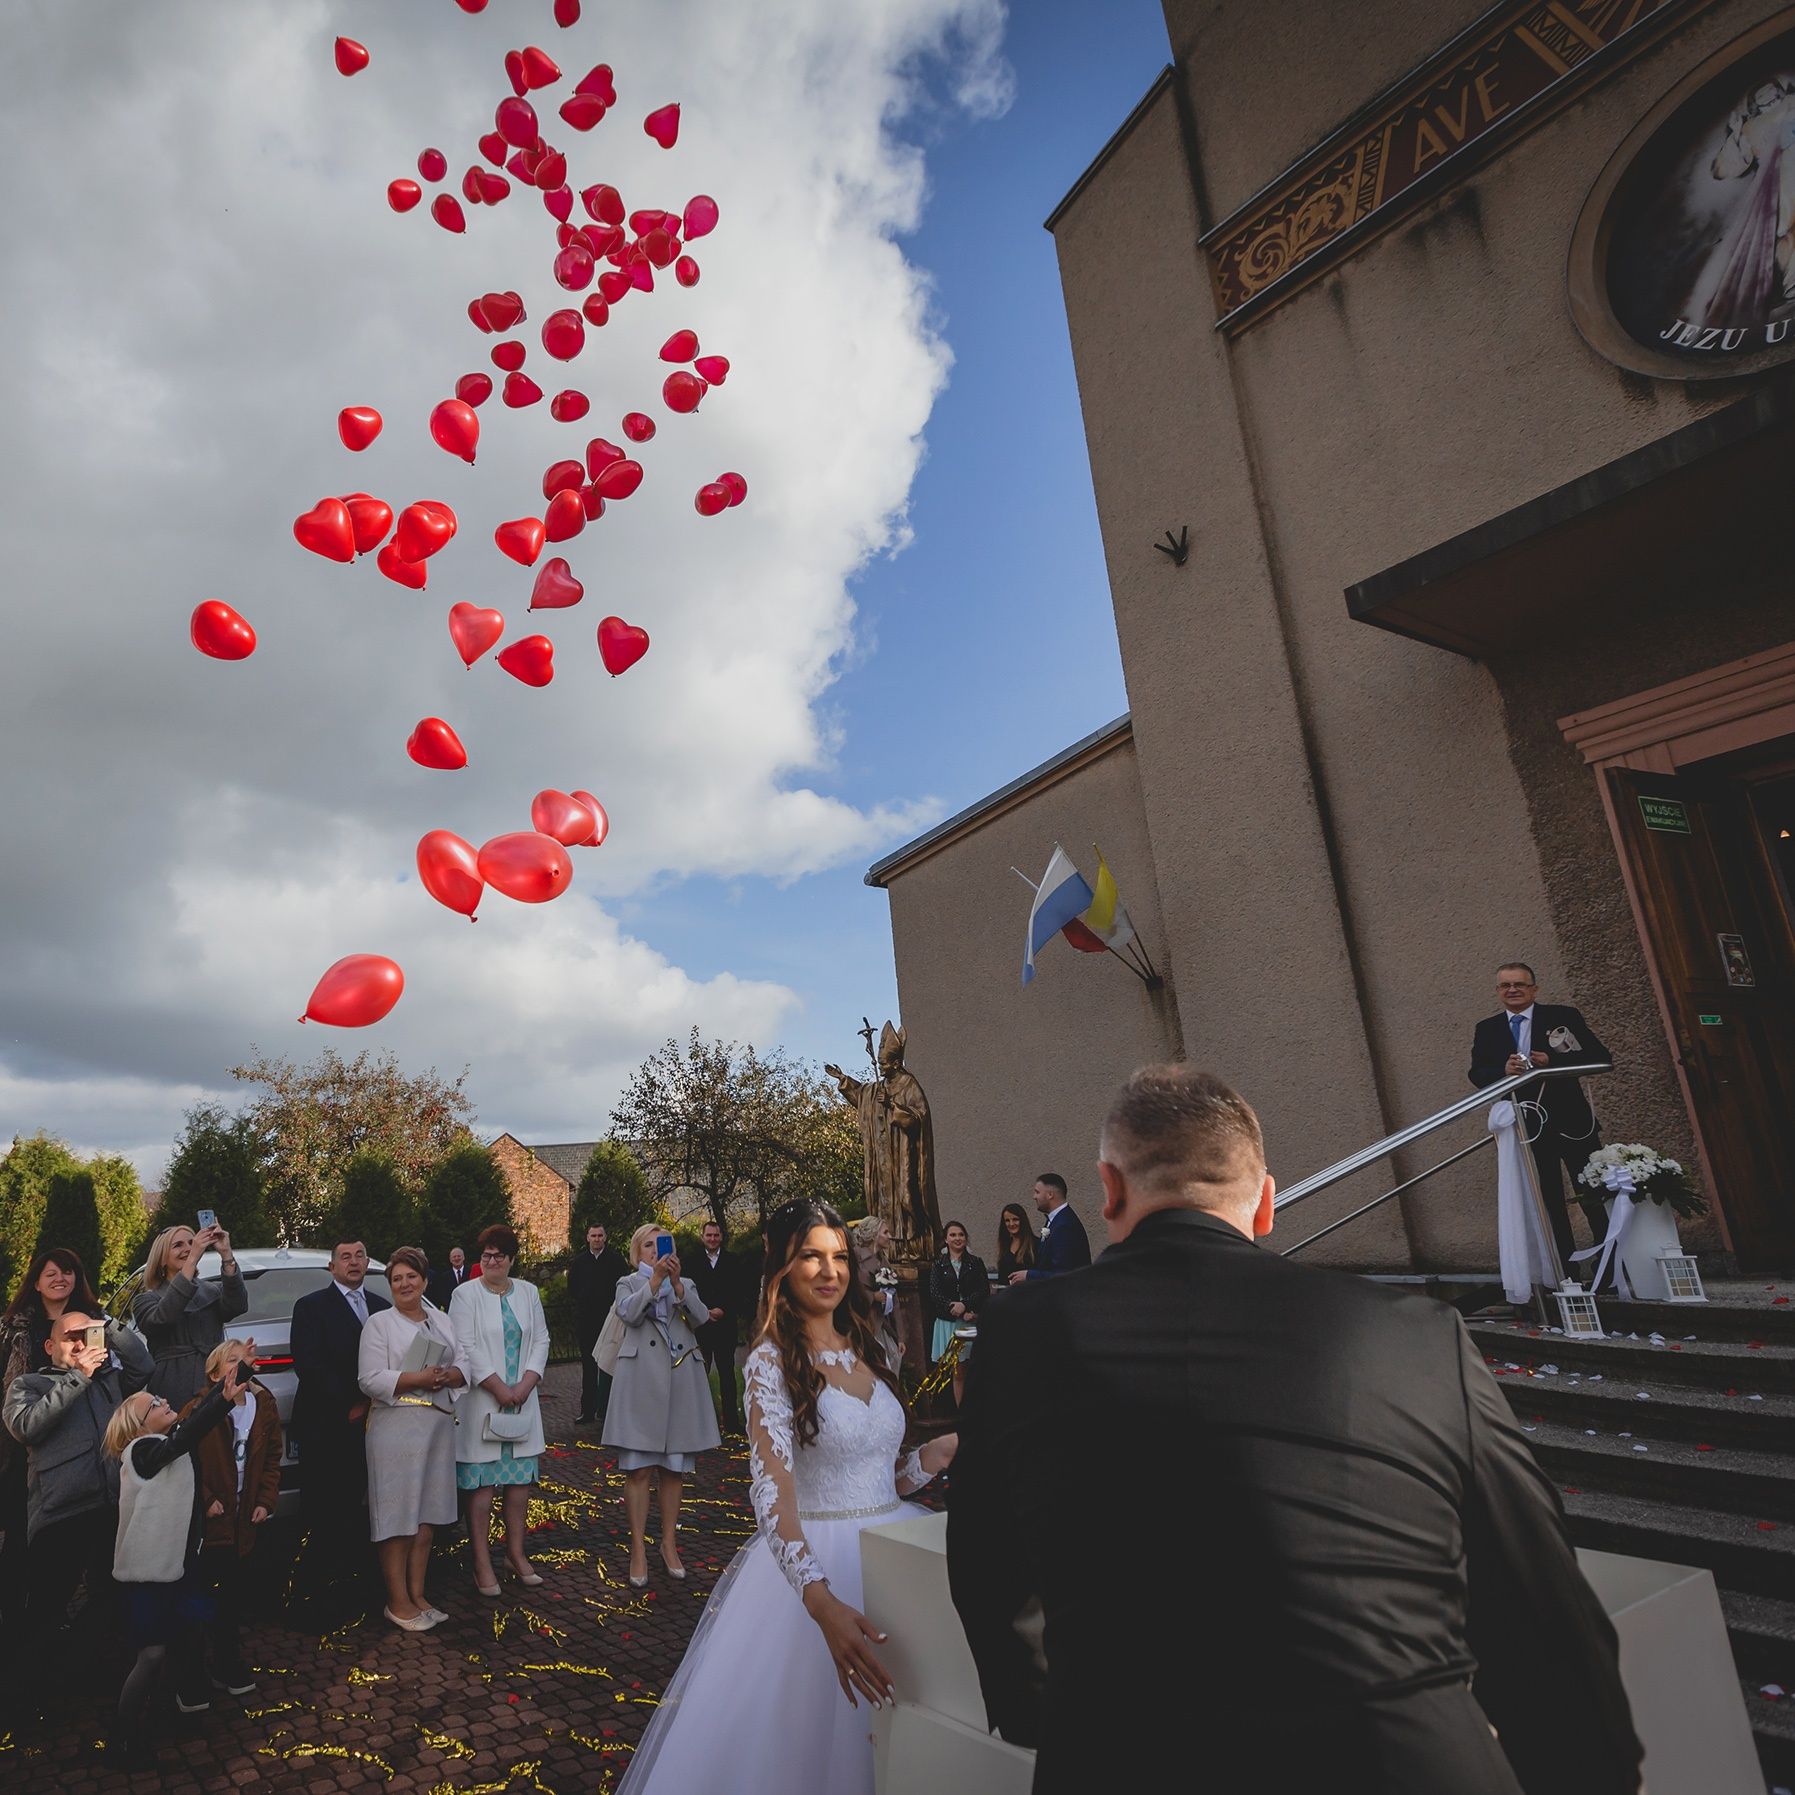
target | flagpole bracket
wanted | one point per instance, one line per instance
(1176, 548)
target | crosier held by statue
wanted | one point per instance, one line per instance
(898, 1140)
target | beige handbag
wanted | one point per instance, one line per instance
(610, 1339)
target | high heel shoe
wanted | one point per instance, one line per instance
(676, 1572)
(489, 1590)
(529, 1579)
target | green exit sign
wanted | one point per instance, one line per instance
(1666, 815)
(1708, 1021)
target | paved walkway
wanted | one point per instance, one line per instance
(545, 1689)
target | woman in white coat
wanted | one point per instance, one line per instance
(661, 1415)
(503, 1337)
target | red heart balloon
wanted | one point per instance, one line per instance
(712, 369)
(555, 588)
(528, 866)
(569, 406)
(433, 165)
(685, 271)
(700, 217)
(471, 5)
(564, 332)
(521, 539)
(551, 172)
(424, 528)
(583, 110)
(358, 425)
(474, 389)
(594, 502)
(620, 645)
(682, 390)
(504, 311)
(370, 518)
(539, 68)
(641, 276)
(562, 816)
(356, 991)
(326, 530)
(516, 120)
(474, 630)
(523, 165)
(449, 869)
(493, 188)
(736, 486)
(403, 195)
(218, 631)
(559, 204)
(509, 355)
(567, 12)
(471, 190)
(613, 284)
(400, 571)
(531, 659)
(514, 72)
(434, 744)
(595, 311)
(663, 126)
(478, 317)
(600, 454)
(638, 426)
(645, 219)
(681, 346)
(352, 57)
(711, 499)
(454, 427)
(603, 203)
(598, 81)
(659, 248)
(493, 147)
(446, 210)
(560, 475)
(597, 838)
(618, 479)
(520, 390)
(566, 516)
(573, 267)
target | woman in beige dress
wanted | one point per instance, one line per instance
(411, 1436)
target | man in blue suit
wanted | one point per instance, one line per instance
(1064, 1243)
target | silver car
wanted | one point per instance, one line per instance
(276, 1277)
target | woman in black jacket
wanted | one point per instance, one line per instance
(958, 1288)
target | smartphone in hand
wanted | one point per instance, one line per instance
(208, 1218)
(96, 1336)
(663, 1245)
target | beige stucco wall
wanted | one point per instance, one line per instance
(1350, 829)
(1018, 1079)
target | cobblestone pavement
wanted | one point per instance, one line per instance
(544, 1689)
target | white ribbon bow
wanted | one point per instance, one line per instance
(1620, 1185)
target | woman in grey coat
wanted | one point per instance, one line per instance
(661, 1415)
(182, 1316)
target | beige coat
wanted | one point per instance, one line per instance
(656, 1406)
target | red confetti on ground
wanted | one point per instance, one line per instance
(1778, 1301)
(1767, 1526)
(1704, 1447)
(1755, 1345)
(1570, 1489)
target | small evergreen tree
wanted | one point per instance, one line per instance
(464, 1193)
(217, 1165)
(376, 1208)
(613, 1193)
(25, 1175)
(121, 1217)
(71, 1219)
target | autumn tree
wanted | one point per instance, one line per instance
(613, 1193)
(217, 1165)
(742, 1130)
(313, 1119)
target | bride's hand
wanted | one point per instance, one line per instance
(847, 1632)
(938, 1453)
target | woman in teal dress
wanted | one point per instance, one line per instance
(500, 1328)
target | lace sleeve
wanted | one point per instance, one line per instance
(771, 1485)
(911, 1477)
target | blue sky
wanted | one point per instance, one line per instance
(991, 640)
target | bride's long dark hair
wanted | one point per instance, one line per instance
(782, 1324)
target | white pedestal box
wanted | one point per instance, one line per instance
(1678, 1669)
(1674, 1660)
(933, 1742)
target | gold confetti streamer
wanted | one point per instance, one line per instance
(446, 1743)
(311, 1748)
(358, 1677)
(577, 1670)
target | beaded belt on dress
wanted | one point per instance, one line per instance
(848, 1514)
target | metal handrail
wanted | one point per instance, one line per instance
(1391, 1143)
(1477, 1146)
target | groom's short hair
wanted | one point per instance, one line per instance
(1173, 1127)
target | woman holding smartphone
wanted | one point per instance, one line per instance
(182, 1315)
(661, 1415)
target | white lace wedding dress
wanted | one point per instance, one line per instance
(755, 1707)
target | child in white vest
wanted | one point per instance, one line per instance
(160, 1526)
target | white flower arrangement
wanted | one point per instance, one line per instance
(1635, 1171)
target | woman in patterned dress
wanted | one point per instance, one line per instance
(502, 1336)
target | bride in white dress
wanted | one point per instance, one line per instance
(768, 1698)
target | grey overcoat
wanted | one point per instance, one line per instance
(655, 1406)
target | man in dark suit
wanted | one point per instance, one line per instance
(1362, 1570)
(446, 1280)
(1526, 1033)
(718, 1280)
(592, 1281)
(1064, 1245)
(329, 1418)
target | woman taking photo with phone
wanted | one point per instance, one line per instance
(661, 1415)
(182, 1315)
(501, 1339)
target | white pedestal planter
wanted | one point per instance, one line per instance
(1652, 1232)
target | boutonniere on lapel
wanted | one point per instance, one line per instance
(1561, 1040)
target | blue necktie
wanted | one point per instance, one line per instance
(1514, 1028)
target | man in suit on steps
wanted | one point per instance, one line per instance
(1527, 1033)
(329, 1421)
(1064, 1245)
(1367, 1571)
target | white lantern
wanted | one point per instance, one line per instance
(1682, 1279)
(1577, 1310)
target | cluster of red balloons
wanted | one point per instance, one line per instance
(528, 865)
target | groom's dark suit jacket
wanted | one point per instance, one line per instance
(1274, 1518)
(1564, 1101)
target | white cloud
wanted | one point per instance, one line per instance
(201, 271)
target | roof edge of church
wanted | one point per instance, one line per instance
(1116, 138)
(1099, 742)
